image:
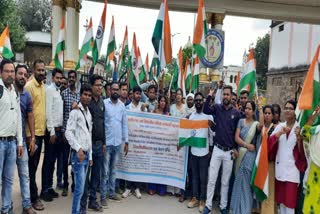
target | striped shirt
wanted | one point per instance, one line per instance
(68, 98)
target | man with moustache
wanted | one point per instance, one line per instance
(10, 133)
(53, 139)
(116, 133)
(26, 116)
(37, 91)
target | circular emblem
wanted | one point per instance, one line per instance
(134, 64)
(214, 49)
(99, 32)
(193, 133)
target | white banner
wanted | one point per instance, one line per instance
(153, 155)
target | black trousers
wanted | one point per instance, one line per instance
(199, 176)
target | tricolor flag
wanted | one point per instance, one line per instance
(99, 36)
(161, 38)
(260, 173)
(147, 67)
(195, 75)
(248, 78)
(310, 97)
(188, 74)
(193, 133)
(200, 31)
(86, 46)
(155, 67)
(140, 69)
(134, 64)
(124, 52)
(5, 45)
(181, 75)
(111, 45)
(60, 47)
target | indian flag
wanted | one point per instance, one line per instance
(124, 51)
(195, 75)
(86, 46)
(181, 75)
(99, 36)
(134, 64)
(141, 72)
(147, 67)
(161, 38)
(248, 79)
(260, 173)
(310, 98)
(200, 31)
(5, 45)
(193, 133)
(58, 56)
(111, 44)
(188, 74)
(155, 67)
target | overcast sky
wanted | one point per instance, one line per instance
(240, 32)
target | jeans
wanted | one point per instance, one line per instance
(49, 160)
(80, 171)
(108, 171)
(33, 166)
(199, 176)
(8, 155)
(59, 165)
(65, 163)
(23, 171)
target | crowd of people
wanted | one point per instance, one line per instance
(87, 129)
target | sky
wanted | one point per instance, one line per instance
(240, 32)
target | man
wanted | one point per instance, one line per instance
(234, 99)
(26, 114)
(226, 119)
(116, 129)
(64, 84)
(78, 134)
(190, 104)
(69, 97)
(244, 95)
(124, 93)
(37, 91)
(107, 89)
(97, 109)
(199, 159)
(10, 132)
(152, 101)
(53, 139)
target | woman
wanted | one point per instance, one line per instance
(162, 108)
(287, 150)
(246, 137)
(277, 114)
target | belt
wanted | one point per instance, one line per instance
(9, 138)
(223, 148)
(84, 152)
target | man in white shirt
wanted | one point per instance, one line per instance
(199, 159)
(78, 134)
(10, 132)
(190, 104)
(53, 139)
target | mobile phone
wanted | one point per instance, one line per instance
(214, 85)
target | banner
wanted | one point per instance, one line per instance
(153, 155)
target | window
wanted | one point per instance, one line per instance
(235, 79)
(231, 79)
(281, 28)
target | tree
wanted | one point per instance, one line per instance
(261, 53)
(9, 15)
(35, 14)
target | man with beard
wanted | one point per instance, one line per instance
(26, 114)
(190, 104)
(244, 95)
(124, 93)
(37, 91)
(69, 97)
(151, 100)
(199, 159)
(116, 133)
(10, 132)
(64, 84)
(226, 119)
(53, 139)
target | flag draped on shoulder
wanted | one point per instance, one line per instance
(99, 36)
(60, 47)
(161, 38)
(248, 78)
(111, 44)
(310, 97)
(195, 75)
(5, 44)
(193, 133)
(86, 46)
(200, 31)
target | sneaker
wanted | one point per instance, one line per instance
(104, 203)
(201, 206)
(64, 192)
(224, 211)
(206, 210)
(115, 197)
(46, 196)
(94, 206)
(126, 193)
(53, 193)
(137, 193)
(193, 203)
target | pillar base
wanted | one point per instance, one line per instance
(67, 65)
(203, 77)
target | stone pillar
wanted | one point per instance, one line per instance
(78, 8)
(70, 55)
(57, 14)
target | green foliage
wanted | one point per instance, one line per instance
(261, 53)
(10, 15)
(186, 53)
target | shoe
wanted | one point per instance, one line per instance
(201, 206)
(224, 211)
(181, 199)
(193, 203)
(46, 196)
(64, 192)
(83, 210)
(126, 193)
(59, 187)
(137, 193)
(206, 210)
(38, 205)
(104, 203)
(115, 198)
(28, 211)
(53, 193)
(94, 206)
(152, 192)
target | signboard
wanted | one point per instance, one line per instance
(214, 49)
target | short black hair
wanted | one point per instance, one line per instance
(85, 87)
(112, 83)
(152, 87)
(234, 94)
(4, 62)
(199, 93)
(37, 61)
(72, 72)
(55, 71)
(278, 107)
(292, 102)
(122, 84)
(268, 107)
(228, 87)
(136, 89)
(94, 78)
(244, 92)
(21, 66)
(63, 77)
(108, 84)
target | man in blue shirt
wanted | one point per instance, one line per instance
(226, 118)
(116, 132)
